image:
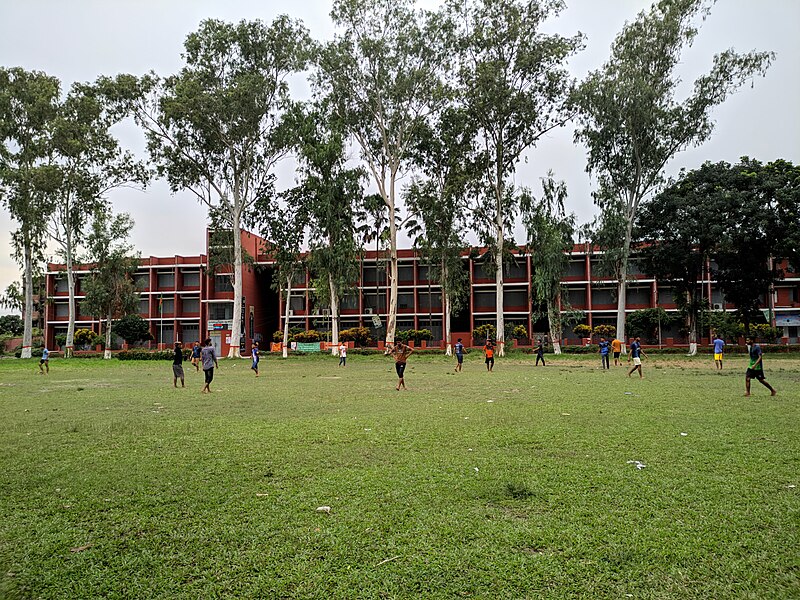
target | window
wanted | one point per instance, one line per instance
(297, 302)
(405, 273)
(377, 304)
(666, 295)
(299, 279)
(191, 279)
(141, 281)
(603, 296)
(166, 280)
(222, 283)
(191, 305)
(348, 301)
(516, 270)
(62, 309)
(62, 285)
(144, 306)
(165, 334)
(221, 311)
(639, 295)
(167, 306)
(577, 268)
(483, 271)
(486, 299)
(515, 299)
(576, 296)
(405, 301)
(370, 275)
(190, 333)
(436, 300)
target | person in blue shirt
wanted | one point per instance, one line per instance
(719, 344)
(636, 355)
(755, 369)
(459, 355)
(44, 362)
(254, 353)
(604, 350)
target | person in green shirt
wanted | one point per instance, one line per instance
(755, 369)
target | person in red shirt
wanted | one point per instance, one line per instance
(488, 351)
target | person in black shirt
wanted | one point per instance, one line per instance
(177, 365)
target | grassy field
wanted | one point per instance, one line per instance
(515, 484)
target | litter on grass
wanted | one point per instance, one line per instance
(684, 434)
(324, 509)
(639, 464)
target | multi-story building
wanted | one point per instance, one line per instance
(182, 298)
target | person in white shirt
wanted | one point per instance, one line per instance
(343, 355)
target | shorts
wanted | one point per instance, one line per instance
(209, 373)
(490, 360)
(42, 361)
(616, 354)
(755, 374)
(400, 368)
(177, 370)
(460, 358)
(718, 356)
(637, 362)
(195, 360)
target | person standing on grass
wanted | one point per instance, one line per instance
(604, 349)
(400, 352)
(44, 362)
(540, 353)
(208, 357)
(177, 365)
(254, 354)
(755, 369)
(459, 355)
(636, 354)
(343, 355)
(196, 356)
(616, 348)
(719, 345)
(488, 352)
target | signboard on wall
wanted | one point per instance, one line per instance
(787, 319)
(219, 325)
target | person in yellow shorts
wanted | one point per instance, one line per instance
(719, 345)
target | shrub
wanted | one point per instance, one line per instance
(61, 340)
(765, 332)
(487, 331)
(277, 336)
(402, 335)
(419, 334)
(11, 324)
(307, 336)
(154, 355)
(359, 335)
(515, 331)
(582, 330)
(133, 329)
(606, 331)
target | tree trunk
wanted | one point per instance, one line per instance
(334, 316)
(107, 352)
(27, 334)
(501, 332)
(391, 321)
(554, 321)
(445, 312)
(233, 351)
(622, 286)
(71, 285)
(286, 317)
(692, 318)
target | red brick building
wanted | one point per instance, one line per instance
(182, 299)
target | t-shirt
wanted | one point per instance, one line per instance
(459, 348)
(209, 356)
(401, 356)
(178, 357)
(343, 351)
(45, 354)
(616, 346)
(718, 346)
(755, 354)
(254, 353)
(636, 348)
(540, 349)
(196, 352)
(489, 350)
(603, 348)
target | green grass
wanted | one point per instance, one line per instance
(514, 484)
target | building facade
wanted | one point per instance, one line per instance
(183, 298)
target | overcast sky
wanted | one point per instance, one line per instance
(79, 40)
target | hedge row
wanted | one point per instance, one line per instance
(148, 355)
